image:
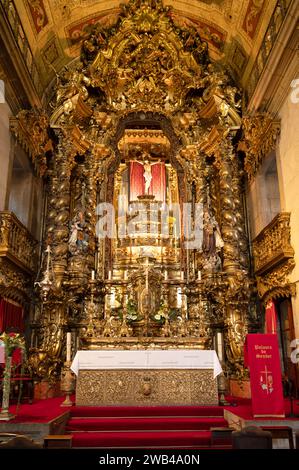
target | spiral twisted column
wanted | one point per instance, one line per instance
(91, 203)
(237, 187)
(236, 278)
(61, 204)
(229, 221)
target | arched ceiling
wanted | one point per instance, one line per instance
(233, 29)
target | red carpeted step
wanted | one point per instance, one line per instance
(132, 439)
(146, 423)
(119, 411)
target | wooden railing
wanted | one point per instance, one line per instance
(16, 242)
(273, 244)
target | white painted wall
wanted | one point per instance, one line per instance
(5, 145)
(288, 170)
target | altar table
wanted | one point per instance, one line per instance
(146, 377)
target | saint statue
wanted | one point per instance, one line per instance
(78, 238)
(212, 240)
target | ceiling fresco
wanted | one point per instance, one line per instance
(233, 29)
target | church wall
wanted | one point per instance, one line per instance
(263, 196)
(5, 148)
(288, 170)
(20, 196)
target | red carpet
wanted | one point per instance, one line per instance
(244, 410)
(102, 411)
(41, 411)
(146, 423)
(173, 439)
(139, 426)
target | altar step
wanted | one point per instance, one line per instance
(144, 427)
(143, 439)
(140, 411)
(143, 424)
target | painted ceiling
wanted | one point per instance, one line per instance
(233, 29)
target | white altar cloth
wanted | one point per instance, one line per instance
(147, 359)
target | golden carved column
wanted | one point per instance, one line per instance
(237, 181)
(228, 223)
(91, 167)
(62, 209)
(237, 281)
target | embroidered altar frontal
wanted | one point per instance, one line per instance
(146, 387)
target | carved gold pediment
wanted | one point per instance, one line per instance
(260, 135)
(30, 129)
(274, 258)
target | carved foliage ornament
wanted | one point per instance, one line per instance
(30, 128)
(260, 135)
(145, 61)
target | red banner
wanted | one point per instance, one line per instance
(262, 359)
(271, 317)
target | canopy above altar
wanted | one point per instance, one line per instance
(147, 359)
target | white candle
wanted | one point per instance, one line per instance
(109, 275)
(179, 298)
(92, 275)
(68, 346)
(126, 274)
(199, 275)
(182, 275)
(165, 275)
(219, 345)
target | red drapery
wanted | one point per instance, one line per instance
(271, 317)
(11, 316)
(158, 183)
(137, 182)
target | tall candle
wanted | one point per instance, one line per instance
(165, 274)
(179, 298)
(182, 275)
(199, 275)
(109, 275)
(219, 346)
(68, 346)
(92, 275)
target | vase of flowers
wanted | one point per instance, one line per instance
(11, 341)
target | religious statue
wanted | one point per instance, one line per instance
(78, 240)
(212, 241)
(147, 176)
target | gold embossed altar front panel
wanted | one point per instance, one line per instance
(146, 387)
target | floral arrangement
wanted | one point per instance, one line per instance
(131, 311)
(12, 341)
(163, 313)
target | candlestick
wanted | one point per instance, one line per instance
(68, 346)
